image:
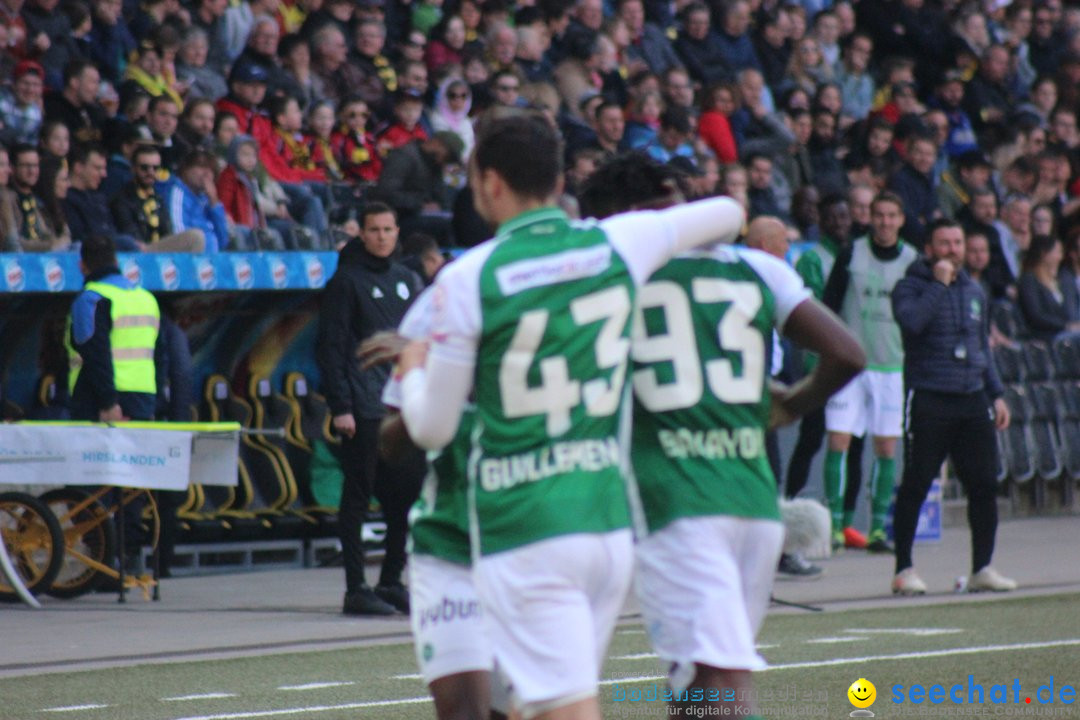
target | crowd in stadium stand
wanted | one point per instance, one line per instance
(272, 119)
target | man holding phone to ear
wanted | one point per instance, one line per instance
(953, 402)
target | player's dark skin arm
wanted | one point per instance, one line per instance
(816, 328)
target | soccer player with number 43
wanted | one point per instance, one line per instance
(535, 325)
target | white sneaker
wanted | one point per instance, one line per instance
(908, 582)
(990, 579)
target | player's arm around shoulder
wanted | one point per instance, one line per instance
(438, 374)
(647, 239)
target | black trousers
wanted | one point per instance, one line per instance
(959, 426)
(397, 487)
(811, 435)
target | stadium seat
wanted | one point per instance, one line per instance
(1044, 430)
(1010, 364)
(276, 413)
(51, 401)
(1038, 362)
(1067, 358)
(1070, 428)
(1019, 443)
(1006, 316)
(9, 411)
(263, 488)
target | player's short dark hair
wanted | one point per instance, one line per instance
(526, 153)
(98, 252)
(604, 106)
(831, 200)
(82, 152)
(627, 181)
(375, 208)
(418, 244)
(22, 149)
(676, 118)
(144, 148)
(757, 156)
(278, 105)
(160, 100)
(75, 68)
(939, 223)
(887, 196)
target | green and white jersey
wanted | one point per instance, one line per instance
(439, 519)
(701, 350)
(543, 314)
(867, 307)
(814, 267)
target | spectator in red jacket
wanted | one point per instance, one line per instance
(408, 107)
(354, 145)
(238, 190)
(287, 158)
(247, 89)
(714, 126)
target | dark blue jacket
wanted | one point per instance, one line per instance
(87, 213)
(920, 202)
(934, 321)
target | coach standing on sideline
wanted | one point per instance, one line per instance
(368, 293)
(953, 401)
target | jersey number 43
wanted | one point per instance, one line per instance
(558, 393)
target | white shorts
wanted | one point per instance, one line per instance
(704, 585)
(551, 608)
(873, 402)
(448, 627)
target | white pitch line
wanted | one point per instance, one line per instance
(203, 696)
(833, 640)
(410, 676)
(316, 685)
(873, 658)
(635, 656)
(74, 708)
(312, 709)
(630, 632)
(917, 632)
(643, 678)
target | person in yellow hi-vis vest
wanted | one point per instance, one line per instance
(111, 338)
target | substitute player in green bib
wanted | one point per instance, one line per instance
(536, 325)
(860, 290)
(711, 531)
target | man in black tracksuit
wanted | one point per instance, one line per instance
(368, 293)
(953, 401)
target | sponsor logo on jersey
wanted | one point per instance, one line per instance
(558, 268)
(54, 276)
(558, 459)
(14, 276)
(449, 610)
(402, 290)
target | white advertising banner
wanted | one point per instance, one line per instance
(85, 454)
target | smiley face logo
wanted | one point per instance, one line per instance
(862, 693)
